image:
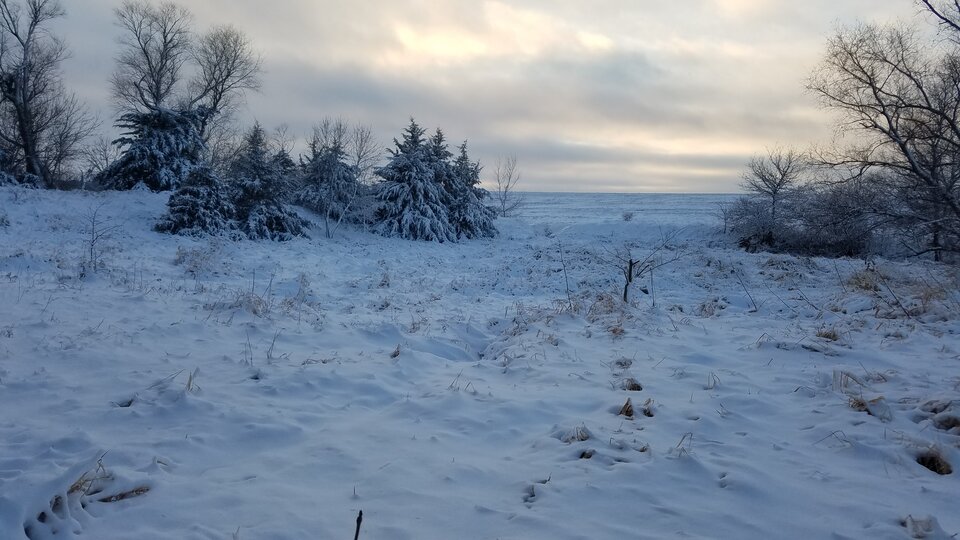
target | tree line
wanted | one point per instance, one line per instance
(176, 92)
(890, 183)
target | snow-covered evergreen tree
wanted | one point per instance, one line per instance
(200, 206)
(469, 213)
(439, 154)
(288, 174)
(258, 192)
(413, 204)
(161, 148)
(330, 186)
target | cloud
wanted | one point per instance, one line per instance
(610, 94)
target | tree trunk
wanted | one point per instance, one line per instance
(28, 140)
(629, 276)
(935, 244)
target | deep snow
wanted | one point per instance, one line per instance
(262, 390)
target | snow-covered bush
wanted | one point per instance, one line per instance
(750, 221)
(200, 206)
(413, 204)
(829, 221)
(257, 193)
(161, 148)
(811, 220)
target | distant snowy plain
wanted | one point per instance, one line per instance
(208, 389)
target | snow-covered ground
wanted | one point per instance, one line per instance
(206, 389)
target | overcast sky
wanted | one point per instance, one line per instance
(598, 95)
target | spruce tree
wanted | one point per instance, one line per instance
(288, 174)
(258, 191)
(414, 204)
(200, 206)
(330, 186)
(161, 148)
(469, 214)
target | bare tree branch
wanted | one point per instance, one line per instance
(902, 103)
(772, 175)
(227, 67)
(507, 177)
(155, 45)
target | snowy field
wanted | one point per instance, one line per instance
(159, 387)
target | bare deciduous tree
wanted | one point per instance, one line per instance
(364, 151)
(330, 132)
(227, 67)
(507, 176)
(159, 50)
(634, 268)
(41, 123)
(281, 140)
(358, 142)
(902, 103)
(773, 174)
(155, 45)
(98, 155)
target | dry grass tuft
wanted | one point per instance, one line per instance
(932, 459)
(866, 280)
(603, 306)
(830, 334)
(858, 404)
(647, 408)
(627, 409)
(577, 434)
(947, 422)
(135, 492)
(632, 385)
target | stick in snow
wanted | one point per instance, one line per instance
(356, 535)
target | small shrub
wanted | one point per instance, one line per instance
(866, 280)
(826, 221)
(628, 216)
(201, 260)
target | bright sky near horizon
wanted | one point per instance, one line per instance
(605, 95)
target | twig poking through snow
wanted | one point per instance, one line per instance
(750, 296)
